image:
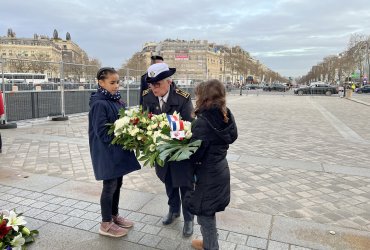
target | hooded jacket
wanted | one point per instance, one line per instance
(109, 161)
(212, 188)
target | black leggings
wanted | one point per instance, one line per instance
(110, 198)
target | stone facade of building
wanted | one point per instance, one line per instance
(42, 54)
(197, 60)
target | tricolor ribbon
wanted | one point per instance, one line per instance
(175, 123)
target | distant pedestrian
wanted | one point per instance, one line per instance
(143, 83)
(216, 127)
(110, 162)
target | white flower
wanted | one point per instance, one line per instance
(150, 132)
(154, 126)
(187, 126)
(156, 135)
(163, 124)
(188, 134)
(130, 112)
(139, 137)
(165, 137)
(144, 120)
(120, 124)
(15, 221)
(134, 131)
(17, 242)
(152, 147)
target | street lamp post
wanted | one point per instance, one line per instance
(63, 117)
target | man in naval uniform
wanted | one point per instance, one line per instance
(163, 97)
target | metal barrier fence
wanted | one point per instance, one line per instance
(23, 105)
(66, 88)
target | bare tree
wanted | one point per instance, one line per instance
(19, 65)
(136, 66)
(40, 63)
(92, 68)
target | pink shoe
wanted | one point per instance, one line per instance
(122, 222)
(112, 230)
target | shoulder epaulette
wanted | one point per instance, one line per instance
(182, 93)
(145, 92)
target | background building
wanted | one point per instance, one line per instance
(197, 60)
(42, 54)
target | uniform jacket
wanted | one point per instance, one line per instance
(180, 101)
(143, 86)
(212, 188)
(109, 161)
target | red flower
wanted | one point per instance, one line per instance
(4, 230)
(135, 121)
(150, 115)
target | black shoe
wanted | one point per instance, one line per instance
(188, 228)
(168, 218)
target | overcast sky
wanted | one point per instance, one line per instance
(289, 36)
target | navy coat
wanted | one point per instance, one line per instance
(109, 161)
(212, 188)
(180, 101)
(143, 86)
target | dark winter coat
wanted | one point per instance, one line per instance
(212, 188)
(180, 101)
(143, 86)
(109, 161)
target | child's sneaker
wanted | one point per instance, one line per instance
(112, 230)
(122, 222)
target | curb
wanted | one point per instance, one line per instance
(358, 101)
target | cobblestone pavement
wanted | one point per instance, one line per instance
(297, 156)
(79, 221)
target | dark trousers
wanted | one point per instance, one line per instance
(1, 144)
(209, 232)
(110, 198)
(174, 200)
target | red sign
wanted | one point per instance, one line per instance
(181, 57)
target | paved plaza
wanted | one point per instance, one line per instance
(300, 172)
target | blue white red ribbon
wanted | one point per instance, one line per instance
(175, 123)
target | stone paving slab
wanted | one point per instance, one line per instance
(77, 190)
(280, 162)
(238, 229)
(28, 181)
(318, 236)
(244, 222)
(59, 237)
(156, 206)
(74, 229)
(346, 170)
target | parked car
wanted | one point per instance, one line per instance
(251, 86)
(364, 89)
(317, 89)
(276, 87)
